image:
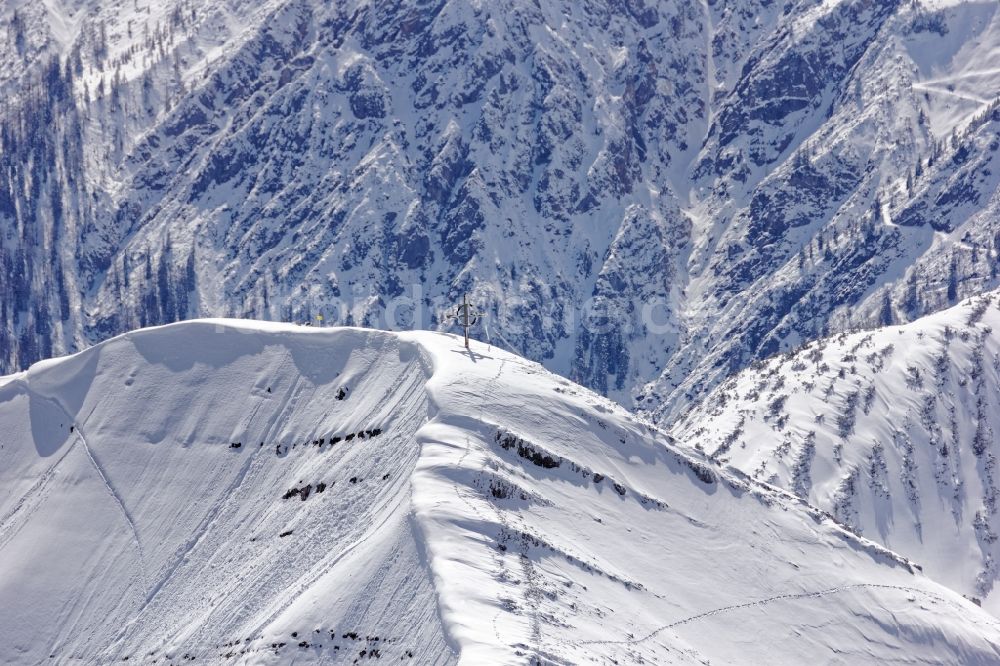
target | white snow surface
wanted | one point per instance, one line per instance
(756, 172)
(469, 525)
(892, 430)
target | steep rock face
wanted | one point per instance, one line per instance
(810, 244)
(755, 174)
(894, 431)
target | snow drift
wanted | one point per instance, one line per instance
(236, 492)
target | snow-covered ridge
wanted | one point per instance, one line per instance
(895, 431)
(766, 173)
(243, 492)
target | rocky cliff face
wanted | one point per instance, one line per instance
(646, 197)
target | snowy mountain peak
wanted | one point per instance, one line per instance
(759, 174)
(242, 492)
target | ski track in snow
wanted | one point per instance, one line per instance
(250, 466)
(13, 520)
(81, 437)
(412, 384)
(115, 496)
(472, 506)
(770, 600)
(199, 535)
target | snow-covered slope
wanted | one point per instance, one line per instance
(895, 431)
(761, 173)
(236, 492)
